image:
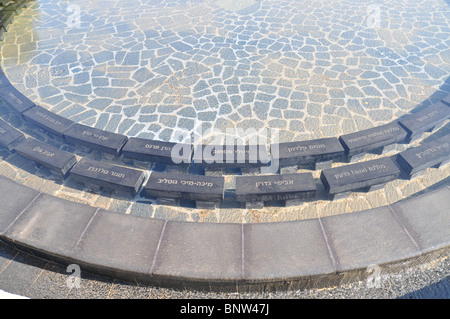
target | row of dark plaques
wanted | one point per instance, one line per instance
(8, 10)
(301, 153)
(209, 190)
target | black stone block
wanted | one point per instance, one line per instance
(94, 138)
(307, 152)
(185, 186)
(275, 187)
(9, 135)
(232, 156)
(359, 176)
(47, 120)
(115, 178)
(447, 100)
(424, 156)
(56, 160)
(427, 119)
(16, 99)
(157, 151)
(373, 138)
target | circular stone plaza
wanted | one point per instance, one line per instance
(202, 148)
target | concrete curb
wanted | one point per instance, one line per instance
(310, 253)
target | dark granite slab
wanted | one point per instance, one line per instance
(307, 152)
(94, 138)
(372, 139)
(6, 17)
(112, 177)
(185, 186)
(48, 120)
(15, 198)
(446, 100)
(427, 119)
(199, 252)
(285, 250)
(232, 156)
(9, 135)
(16, 99)
(56, 160)
(157, 151)
(15, 7)
(360, 175)
(275, 187)
(424, 156)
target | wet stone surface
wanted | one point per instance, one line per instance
(161, 69)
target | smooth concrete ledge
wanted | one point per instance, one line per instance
(311, 253)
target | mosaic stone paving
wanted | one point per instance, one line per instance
(158, 68)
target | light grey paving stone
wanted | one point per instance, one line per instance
(51, 225)
(369, 237)
(14, 199)
(17, 100)
(126, 244)
(285, 250)
(427, 218)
